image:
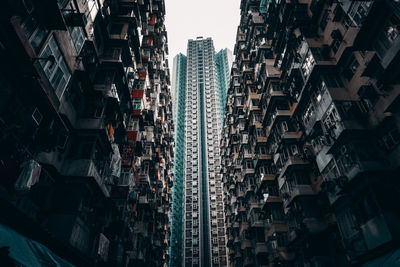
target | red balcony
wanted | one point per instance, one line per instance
(142, 74)
(127, 155)
(137, 93)
(132, 135)
(153, 20)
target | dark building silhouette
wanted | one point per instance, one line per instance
(85, 133)
(310, 141)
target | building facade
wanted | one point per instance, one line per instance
(178, 86)
(223, 64)
(203, 240)
(86, 133)
(310, 142)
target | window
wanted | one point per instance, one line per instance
(335, 45)
(281, 239)
(388, 34)
(93, 8)
(137, 103)
(215, 251)
(346, 21)
(391, 139)
(347, 222)
(57, 71)
(351, 68)
(359, 10)
(249, 164)
(284, 126)
(78, 38)
(324, 20)
(317, 53)
(35, 32)
(308, 64)
(260, 132)
(332, 81)
(294, 150)
(76, 33)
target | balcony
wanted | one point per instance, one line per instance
(287, 135)
(238, 255)
(248, 171)
(240, 192)
(245, 243)
(243, 227)
(144, 178)
(265, 178)
(118, 31)
(256, 123)
(84, 168)
(296, 191)
(91, 124)
(380, 224)
(256, 221)
(147, 156)
(269, 199)
(276, 227)
(261, 249)
(248, 261)
(230, 241)
(292, 161)
(143, 199)
(112, 55)
(352, 160)
(261, 139)
(317, 109)
(278, 114)
(246, 154)
(259, 158)
(270, 98)
(50, 13)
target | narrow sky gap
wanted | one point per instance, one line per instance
(187, 19)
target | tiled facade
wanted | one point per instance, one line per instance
(178, 88)
(204, 229)
(86, 131)
(223, 63)
(310, 141)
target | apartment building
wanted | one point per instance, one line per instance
(197, 158)
(310, 139)
(178, 89)
(86, 133)
(223, 63)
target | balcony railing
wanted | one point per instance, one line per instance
(297, 190)
(292, 161)
(144, 178)
(84, 168)
(261, 249)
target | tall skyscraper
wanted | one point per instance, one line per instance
(179, 99)
(198, 124)
(223, 63)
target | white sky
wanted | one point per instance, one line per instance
(187, 19)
